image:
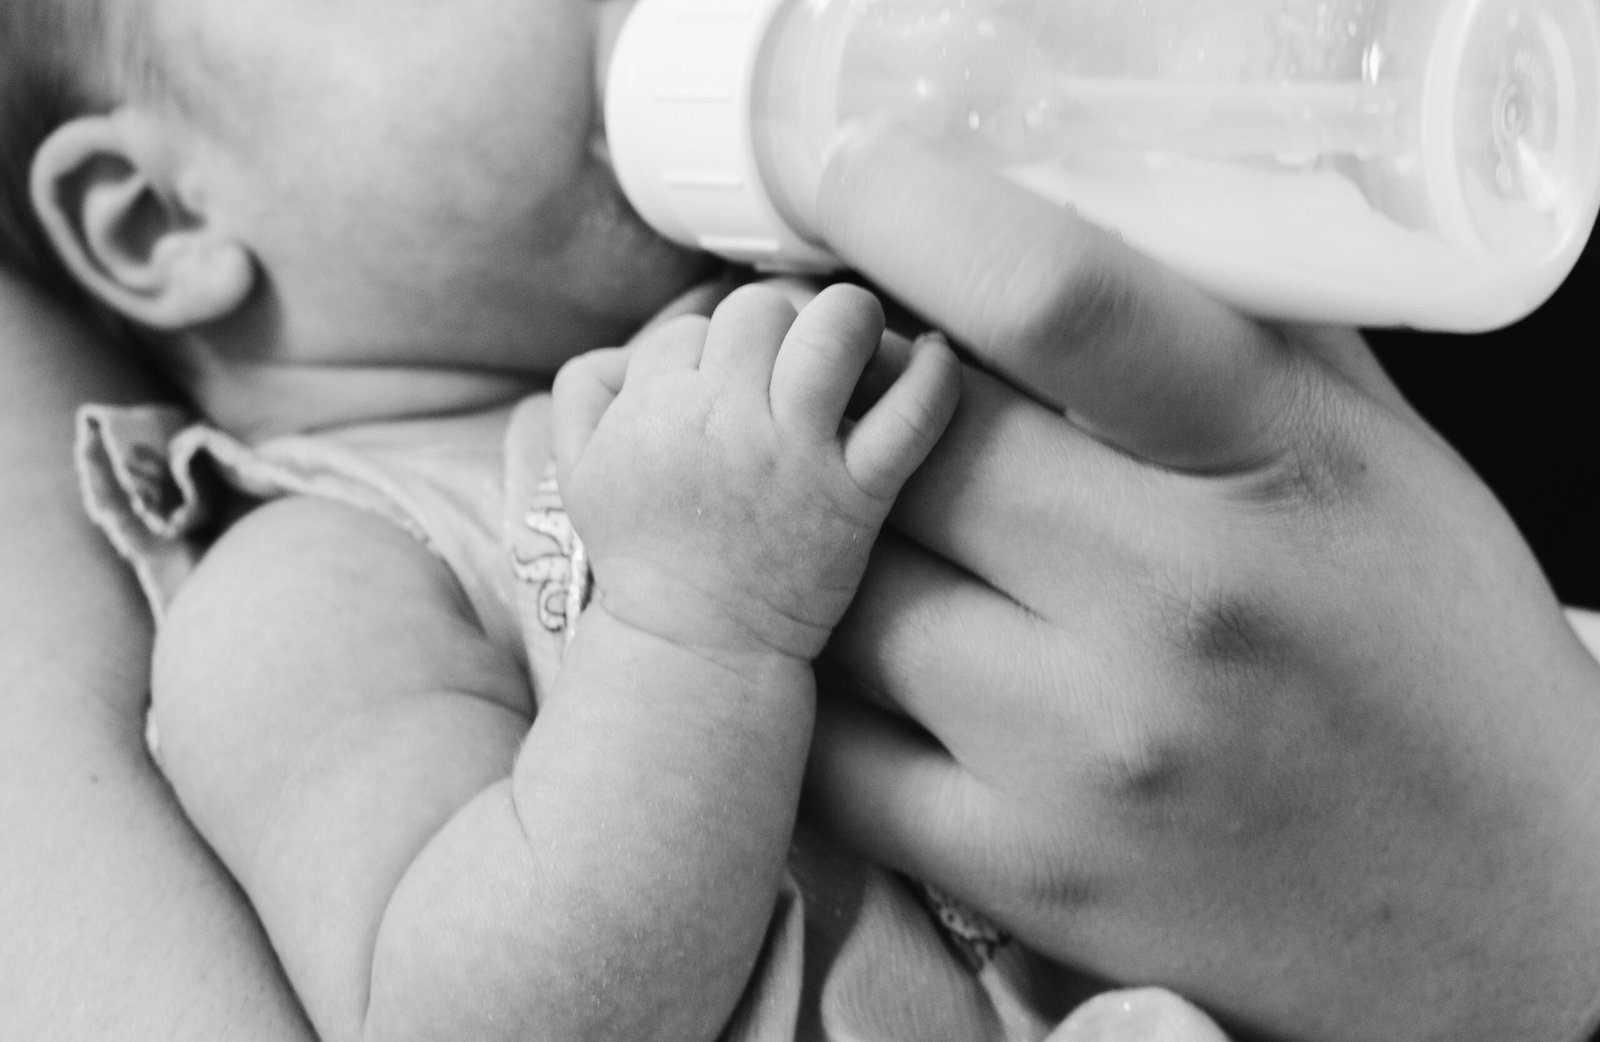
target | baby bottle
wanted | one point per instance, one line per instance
(1431, 163)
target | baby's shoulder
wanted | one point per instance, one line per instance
(311, 591)
(315, 564)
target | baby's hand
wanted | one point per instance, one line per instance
(726, 502)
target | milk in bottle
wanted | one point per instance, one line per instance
(1431, 163)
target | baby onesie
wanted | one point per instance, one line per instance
(854, 953)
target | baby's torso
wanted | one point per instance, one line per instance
(853, 953)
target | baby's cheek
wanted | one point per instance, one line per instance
(605, 258)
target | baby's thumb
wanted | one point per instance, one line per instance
(1137, 1015)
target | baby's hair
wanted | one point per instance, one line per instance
(59, 59)
(46, 50)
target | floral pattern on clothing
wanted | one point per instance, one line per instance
(548, 554)
(973, 937)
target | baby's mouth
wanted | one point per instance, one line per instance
(599, 147)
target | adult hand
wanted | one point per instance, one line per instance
(1201, 660)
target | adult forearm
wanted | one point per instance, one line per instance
(115, 923)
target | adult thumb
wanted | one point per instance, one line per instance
(1057, 306)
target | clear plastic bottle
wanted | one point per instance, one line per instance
(1431, 163)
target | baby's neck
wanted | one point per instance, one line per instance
(259, 401)
(251, 380)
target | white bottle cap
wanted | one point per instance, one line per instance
(680, 133)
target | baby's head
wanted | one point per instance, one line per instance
(308, 196)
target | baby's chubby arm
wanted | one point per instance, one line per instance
(360, 756)
(728, 510)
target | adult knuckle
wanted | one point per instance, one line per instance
(1220, 614)
(1194, 771)
(1321, 461)
(1137, 746)
(1226, 627)
(1212, 642)
(1141, 767)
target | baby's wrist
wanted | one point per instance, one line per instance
(709, 610)
(710, 632)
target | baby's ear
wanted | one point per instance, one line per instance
(127, 236)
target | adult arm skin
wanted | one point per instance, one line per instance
(115, 921)
(1230, 675)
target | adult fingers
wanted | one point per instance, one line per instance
(1059, 306)
(877, 782)
(915, 632)
(983, 676)
(1020, 497)
(583, 390)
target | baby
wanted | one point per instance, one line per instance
(363, 236)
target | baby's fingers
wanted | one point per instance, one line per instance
(822, 359)
(584, 389)
(672, 346)
(901, 428)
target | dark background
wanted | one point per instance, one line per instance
(1519, 404)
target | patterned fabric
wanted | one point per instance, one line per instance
(555, 565)
(853, 953)
(976, 939)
